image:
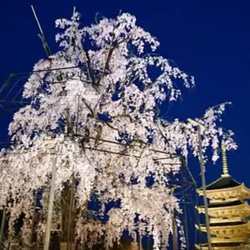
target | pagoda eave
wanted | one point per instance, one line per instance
(205, 247)
(235, 230)
(229, 194)
(232, 212)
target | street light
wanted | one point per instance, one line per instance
(199, 126)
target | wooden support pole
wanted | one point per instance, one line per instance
(33, 220)
(2, 228)
(70, 232)
(203, 181)
(50, 208)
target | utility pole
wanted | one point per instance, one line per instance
(203, 180)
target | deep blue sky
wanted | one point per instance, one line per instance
(207, 39)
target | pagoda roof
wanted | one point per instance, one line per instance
(233, 223)
(223, 182)
(236, 223)
(245, 226)
(227, 211)
(225, 189)
(216, 246)
(225, 204)
(228, 244)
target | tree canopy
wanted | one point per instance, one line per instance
(93, 112)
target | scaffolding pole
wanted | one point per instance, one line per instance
(2, 228)
(50, 208)
(203, 181)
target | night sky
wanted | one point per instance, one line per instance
(207, 39)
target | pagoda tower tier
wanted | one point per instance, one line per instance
(226, 189)
(228, 212)
(233, 232)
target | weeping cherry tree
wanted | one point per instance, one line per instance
(93, 113)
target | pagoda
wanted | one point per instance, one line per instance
(228, 211)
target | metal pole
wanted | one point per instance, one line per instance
(203, 181)
(2, 227)
(50, 208)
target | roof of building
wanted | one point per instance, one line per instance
(233, 223)
(226, 204)
(223, 182)
(224, 244)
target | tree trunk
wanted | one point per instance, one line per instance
(68, 215)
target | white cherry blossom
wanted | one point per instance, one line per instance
(93, 113)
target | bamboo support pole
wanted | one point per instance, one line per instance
(50, 208)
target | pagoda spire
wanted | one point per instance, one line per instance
(224, 161)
